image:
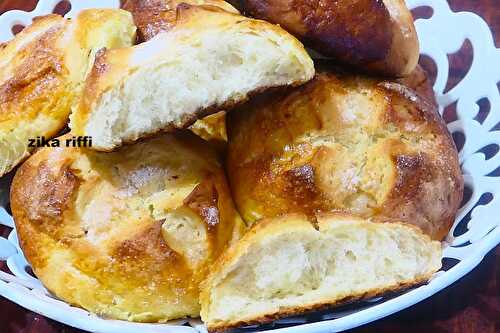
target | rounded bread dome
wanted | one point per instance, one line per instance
(345, 143)
(129, 234)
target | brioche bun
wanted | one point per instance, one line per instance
(130, 234)
(345, 143)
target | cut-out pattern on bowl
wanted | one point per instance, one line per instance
(471, 107)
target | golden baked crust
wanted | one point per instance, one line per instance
(41, 71)
(126, 235)
(154, 16)
(372, 34)
(344, 143)
(289, 266)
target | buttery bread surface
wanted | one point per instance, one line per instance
(130, 234)
(345, 143)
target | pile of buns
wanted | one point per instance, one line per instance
(335, 180)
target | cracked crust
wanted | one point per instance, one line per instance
(345, 143)
(108, 232)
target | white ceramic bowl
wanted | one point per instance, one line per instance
(476, 230)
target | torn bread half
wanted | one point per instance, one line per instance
(288, 265)
(210, 60)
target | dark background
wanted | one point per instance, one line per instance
(470, 305)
